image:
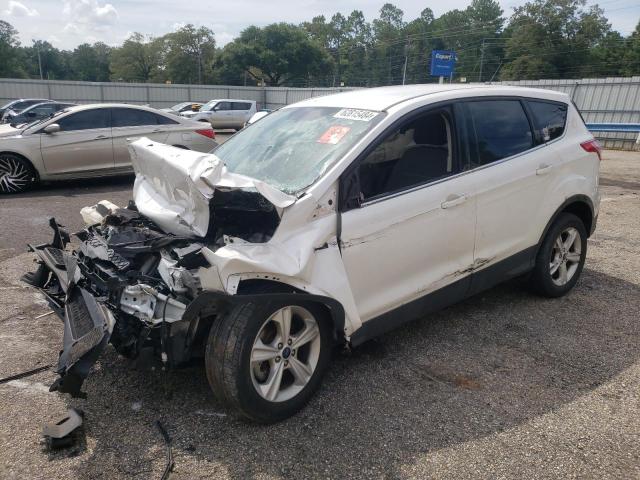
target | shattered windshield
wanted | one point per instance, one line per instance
(291, 148)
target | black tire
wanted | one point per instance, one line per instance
(542, 279)
(228, 366)
(16, 174)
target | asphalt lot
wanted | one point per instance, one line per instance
(504, 385)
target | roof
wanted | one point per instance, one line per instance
(382, 98)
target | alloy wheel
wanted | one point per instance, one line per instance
(565, 256)
(285, 353)
(14, 175)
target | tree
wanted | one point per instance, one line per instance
(91, 62)
(138, 59)
(9, 51)
(553, 38)
(189, 54)
(631, 59)
(279, 54)
(389, 40)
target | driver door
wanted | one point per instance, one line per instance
(411, 230)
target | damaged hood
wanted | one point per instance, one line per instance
(174, 187)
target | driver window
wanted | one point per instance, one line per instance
(417, 152)
(223, 106)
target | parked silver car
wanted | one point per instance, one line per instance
(35, 112)
(88, 141)
(19, 105)
(224, 113)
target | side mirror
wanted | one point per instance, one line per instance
(52, 128)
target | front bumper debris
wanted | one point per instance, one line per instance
(87, 324)
(127, 284)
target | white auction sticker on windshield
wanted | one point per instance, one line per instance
(355, 114)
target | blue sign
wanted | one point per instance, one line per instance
(443, 62)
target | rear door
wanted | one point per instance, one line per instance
(131, 123)
(510, 176)
(83, 143)
(240, 112)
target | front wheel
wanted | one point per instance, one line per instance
(266, 360)
(561, 257)
(16, 174)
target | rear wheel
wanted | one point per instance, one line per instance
(16, 174)
(266, 360)
(561, 257)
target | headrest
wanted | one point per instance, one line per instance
(430, 130)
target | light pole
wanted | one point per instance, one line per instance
(37, 47)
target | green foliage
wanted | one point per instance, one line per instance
(555, 38)
(275, 54)
(541, 39)
(138, 60)
(189, 54)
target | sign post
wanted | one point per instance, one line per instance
(443, 63)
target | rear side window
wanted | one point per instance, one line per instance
(241, 106)
(549, 119)
(496, 129)
(85, 120)
(131, 117)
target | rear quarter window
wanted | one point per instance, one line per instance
(549, 119)
(241, 106)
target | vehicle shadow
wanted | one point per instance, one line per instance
(493, 362)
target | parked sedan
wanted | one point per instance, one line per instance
(225, 113)
(89, 141)
(39, 111)
(18, 105)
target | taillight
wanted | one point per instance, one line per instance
(207, 132)
(592, 146)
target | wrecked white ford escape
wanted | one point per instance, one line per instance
(326, 223)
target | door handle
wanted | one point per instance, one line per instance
(543, 169)
(453, 200)
(100, 137)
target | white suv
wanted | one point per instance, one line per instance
(328, 222)
(224, 113)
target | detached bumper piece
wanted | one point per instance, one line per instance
(60, 434)
(87, 328)
(87, 324)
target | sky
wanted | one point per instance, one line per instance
(68, 23)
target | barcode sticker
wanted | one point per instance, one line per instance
(355, 114)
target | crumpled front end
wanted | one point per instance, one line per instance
(134, 274)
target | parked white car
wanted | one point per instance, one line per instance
(224, 113)
(327, 222)
(88, 141)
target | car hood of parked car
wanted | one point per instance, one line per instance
(175, 187)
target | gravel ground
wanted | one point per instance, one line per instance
(503, 385)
